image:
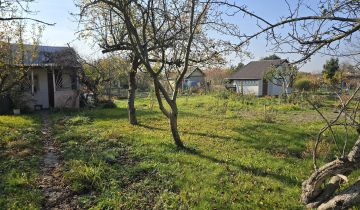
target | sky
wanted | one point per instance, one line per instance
(64, 32)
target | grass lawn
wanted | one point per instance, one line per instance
(20, 155)
(237, 157)
(234, 158)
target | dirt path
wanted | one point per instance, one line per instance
(57, 195)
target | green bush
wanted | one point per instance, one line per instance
(225, 94)
(303, 84)
(108, 105)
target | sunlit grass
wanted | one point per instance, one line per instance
(234, 159)
(20, 154)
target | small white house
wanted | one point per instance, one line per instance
(250, 78)
(52, 80)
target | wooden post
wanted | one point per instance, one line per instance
(54, 84)
(32, 83)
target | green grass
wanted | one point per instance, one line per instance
(234, 158)
(20, 155)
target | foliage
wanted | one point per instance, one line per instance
(15, 55)
(237, 67)
(271, 57)
(303, 85)
(217, 76)
(100, 76)
(108, 104)
(331, 67)
(225, 94)
(160, 41)
(282, 76)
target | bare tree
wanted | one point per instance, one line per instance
(15, 55)
(329, 25)
(322, 189)
(283, 76)
(101, 23)
(164, 36)
(13, 9)
(328, 28)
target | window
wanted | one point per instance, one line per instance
(65, 80)
(250, 82)
(26, 84)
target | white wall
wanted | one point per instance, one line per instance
(243, 87)
(275, 90)
(257, 89)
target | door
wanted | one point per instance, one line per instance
(265, 88)
(51, 89)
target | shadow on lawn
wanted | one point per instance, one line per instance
(114, 113)
(253, 170)
(260, 138)
(275, 139)
(207, 135)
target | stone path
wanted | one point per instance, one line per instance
(57, 195)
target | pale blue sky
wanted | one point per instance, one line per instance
(58, 11)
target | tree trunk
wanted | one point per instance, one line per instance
(131, 96)
(317, 194)
(174, 129)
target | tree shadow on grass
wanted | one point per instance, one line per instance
(207, 135)
(274, 139)
(258, 140)
(114, 113)
(253, 170)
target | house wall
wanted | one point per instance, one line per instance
(66, 99)
(248, 87)
(275, 90)
(196, 76)
(65, 96)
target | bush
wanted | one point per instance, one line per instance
(108, 104)
(303, 84)
(225, 94)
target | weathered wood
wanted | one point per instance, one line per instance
(314, 195)
(345, 199)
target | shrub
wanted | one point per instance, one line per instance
(225, 94)
(303, 84)
(108, 104)
(269, 115)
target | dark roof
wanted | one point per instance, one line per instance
(48, 55)
(190, 73)
(256, 69)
